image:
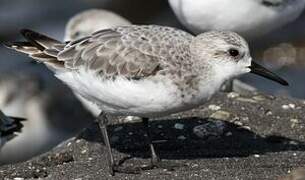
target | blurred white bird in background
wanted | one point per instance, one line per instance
(250, 18)
(89, 21)
(51, 115)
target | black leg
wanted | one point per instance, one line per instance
(154, 157)
(155, 160)
(103, 120)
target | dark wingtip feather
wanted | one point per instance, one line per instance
(30, 34)
(15, 44)
(24, 32)
(7, 44)
(39, 40)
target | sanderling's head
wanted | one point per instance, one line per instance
(228, 54)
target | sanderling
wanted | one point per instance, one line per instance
(48, 120)
(250, 18)
(146, 71)
(89, 21)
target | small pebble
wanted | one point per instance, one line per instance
(247, 127)
(118, 128)
(194, 165)
(181, 137)
(18, 178)
(292, 106)
(288, 106)
(221, 115)
(214, 107)
(238, 123)
(246, 119)
(179, 126)
(268, 113)
(285, 107)
(259, 98)
(213, 128)
(83, 151)
(228, 134)
(293, 143)
(256, 155)
(232, 95)
(129, 118)
(246, 100)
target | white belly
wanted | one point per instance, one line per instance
(146, 98)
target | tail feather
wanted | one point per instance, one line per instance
(24, 47)
(41, 56)
(40, 41)
(39, 47)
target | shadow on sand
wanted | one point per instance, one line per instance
(173, 143)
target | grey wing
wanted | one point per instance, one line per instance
(131, 51)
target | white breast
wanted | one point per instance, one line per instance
(122, 96)
(145, 98)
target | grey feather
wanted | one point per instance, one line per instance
(133, 51)
(128, 51)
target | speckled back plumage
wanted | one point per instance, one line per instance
(131, 51)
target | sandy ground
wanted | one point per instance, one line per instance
(233, 137)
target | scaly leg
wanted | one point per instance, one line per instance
(155, 160)
(103, 120)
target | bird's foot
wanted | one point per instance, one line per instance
(125, 170)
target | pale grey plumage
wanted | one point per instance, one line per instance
(129, 51)
(133, 51)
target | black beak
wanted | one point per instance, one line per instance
(260, 70)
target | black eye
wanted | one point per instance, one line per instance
(233, 52)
